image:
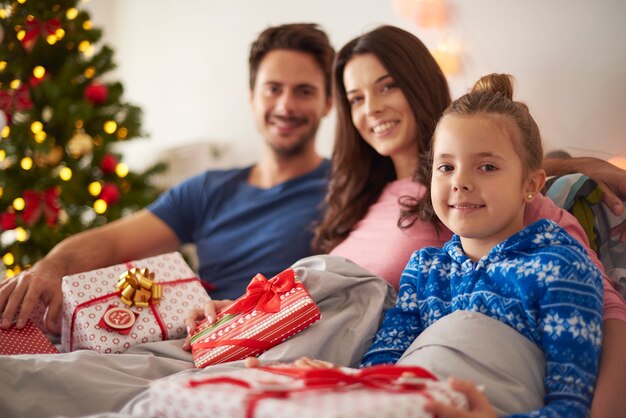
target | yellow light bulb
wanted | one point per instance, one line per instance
(21, 1)
(1, 192)
(94, 188)
(19, 203)
(15, 84)
(100, 206)
(109, 126)
(122, 133)
(3, 65)
(40, 137)
(10, 273)
(5, 132)
(21, 34)
(71, 13)
(84, 46)
(8, 259)
(36, 126)
(60, 33)
(26, 163)
(87, 25)
(3, 14)
(52, 39)
(89, 72)
(121, 170)
(3, 154)
(20, 234)
(39, 71)
(65, 173)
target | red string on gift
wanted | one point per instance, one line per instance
(264, 295)
(387, 378)
(240, 342)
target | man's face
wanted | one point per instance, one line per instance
(288, 101)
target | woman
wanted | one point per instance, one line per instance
(389, 93)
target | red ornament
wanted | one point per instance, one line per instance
(108, 164)
(110, 193)
(34, 81)
(7, 221)
(96, 93)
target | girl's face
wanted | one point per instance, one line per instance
(479, 188)
(380, 112)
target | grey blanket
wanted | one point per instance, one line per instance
(473, 346)
(83, 383)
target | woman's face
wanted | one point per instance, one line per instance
(381, 112)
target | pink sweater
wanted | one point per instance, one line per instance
(377, 244)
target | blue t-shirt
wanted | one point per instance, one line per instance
(241, 230)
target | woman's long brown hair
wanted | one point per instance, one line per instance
(359, 173)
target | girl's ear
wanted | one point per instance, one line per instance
(535, 183)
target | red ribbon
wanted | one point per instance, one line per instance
(41, 202)
(36, 27)
(12, 101)
(385, 378)
(264, 295)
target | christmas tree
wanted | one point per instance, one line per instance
(59, 123)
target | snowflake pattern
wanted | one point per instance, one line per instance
(539, 282)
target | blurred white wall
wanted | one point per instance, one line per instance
(185, 63)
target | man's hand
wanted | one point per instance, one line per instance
(479, 405)
(196, 315)
(22, 292)
(611, 179)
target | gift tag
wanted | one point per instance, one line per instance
(118, 318)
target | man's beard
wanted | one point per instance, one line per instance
(299, 147)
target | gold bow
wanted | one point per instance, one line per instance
(137, 287)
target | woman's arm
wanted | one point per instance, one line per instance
(609, 397)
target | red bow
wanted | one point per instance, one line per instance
(395, 379)
(38, 202)
(15, 100)
(264, 295)
(35, 27)
(380, 377)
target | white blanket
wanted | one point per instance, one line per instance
(84, 383)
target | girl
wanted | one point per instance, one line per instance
(486, 166)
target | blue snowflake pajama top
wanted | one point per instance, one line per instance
(539, 282)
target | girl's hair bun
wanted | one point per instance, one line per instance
(495, 83)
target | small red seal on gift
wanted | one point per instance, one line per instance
(118, 318)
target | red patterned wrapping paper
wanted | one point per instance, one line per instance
(28, 340)
(87, 296)
(283, 392)
(270, 312)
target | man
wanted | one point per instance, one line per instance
(243, 221)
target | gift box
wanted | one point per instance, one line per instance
(28, 340)
(270, 312)
(276, 392)
(111, 309)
